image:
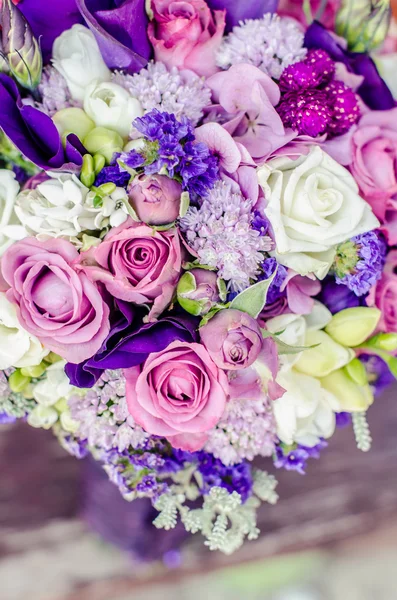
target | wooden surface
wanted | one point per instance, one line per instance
(346, 493)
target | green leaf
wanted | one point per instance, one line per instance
(253, 299)
(284, 348)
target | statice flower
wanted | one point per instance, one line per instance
(295, 459)
(236, 478)
(181, 93)
(12, 406)
(220, 232)
(269, 266)
(103, 417)
(359, 263)
(54, 91)
(246, 430)
(271, 44)
(378, 373)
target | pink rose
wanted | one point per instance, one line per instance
(374, 165)
(295, 9)
(386, 295)
(58, 305)
(137, 264)
(178, 393)
(245, 97)
(156, 199)
(186, 34)
(232, 338)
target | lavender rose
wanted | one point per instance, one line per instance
(156, 199)
(233, 339)
(178, 393)
(137, 264)
(58, 305)
(186, 34)
(386, 295)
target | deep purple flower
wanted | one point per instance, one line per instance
(49, 24)
(378, 373)
(337, 297)
(113, 174)
(157, 125)
(130, 342)
(240, 10)
(120, 27)
(260, 223)
(343, 419)
(6, 419)
(234, 478)
(34, 133)
(373, 90)
(269, 266)
(308, 113)
(295, 459)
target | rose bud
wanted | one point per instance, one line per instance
(199, 289)
(20, 47)
(233, 339)
(156, 199)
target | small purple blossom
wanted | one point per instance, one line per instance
(343, 419)
(269, 266)
(260, 223)
(378, 373)
(113, 174)
(295, 459)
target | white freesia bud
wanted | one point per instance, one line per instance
(55, 386)
(63, 207)
(111, 106)
(305, 412)
(10, 228)
(42, 417)
(77, 57)
(313, 204)
(323, 355)
(17, 347)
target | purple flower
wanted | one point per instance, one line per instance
(130, 342)
(34, 133)
(120, 28)
(48, 26)
(373, 90)
(295, 459)
(6, 419)
(338, 297)
(343, 419)
(113, 174)
(378, 373)
(240, 10)
(269, 266)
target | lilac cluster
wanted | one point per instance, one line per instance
(359, 263)
(313, 102)
(181, 93)
(295, 458)
(220, 232)
(103, 417)
(170, 144)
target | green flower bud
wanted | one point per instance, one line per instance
(356, 371)
(52, 358)
(106, 189)
(73, 120)
(34, 372)
(324, 356)
(199, 290)
(363, 23)
(99, 163)
(351, 396)
(103, 141)
(352, 326)
(18, 382)
(384, 341)
(21, 49)
(87, 175)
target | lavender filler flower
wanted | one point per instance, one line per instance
(271, 43)
(360, 261)
(221, 233)
(55, 94)
(181, 93)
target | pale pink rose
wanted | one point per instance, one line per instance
(178, 393)
(374, 165)
(137, 264)
(58, 305)
(386, 295)
(156, 199)
(244, 98)
(186, 34)
(232, 338)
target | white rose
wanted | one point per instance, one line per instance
(111, 106)
(55, 386)
(63, 207)
(305, 412)
(10, 228)
(17, 347)
(77, 57)
(312, 204)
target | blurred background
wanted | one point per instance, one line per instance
(66, 534)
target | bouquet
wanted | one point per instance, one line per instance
(197, 236)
